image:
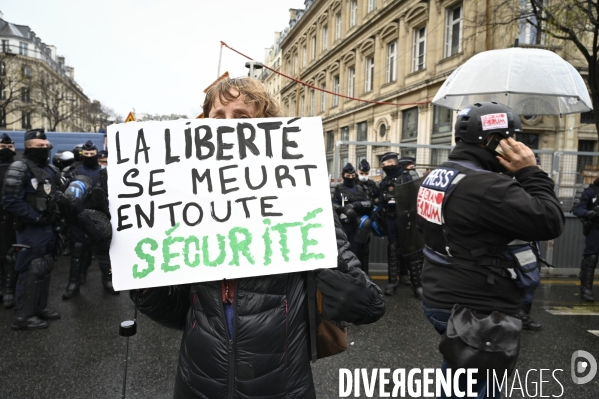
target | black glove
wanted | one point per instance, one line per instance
(590, 215)
(350, 212)
(69, 208)
(348, 297)
(45, 219)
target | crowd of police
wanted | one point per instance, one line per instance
(33, 231)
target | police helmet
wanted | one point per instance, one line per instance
(477, 121)
(77, 152)
(62, 159)
(79, 187)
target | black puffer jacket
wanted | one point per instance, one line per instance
(269, 355)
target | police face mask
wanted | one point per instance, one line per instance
(37, 155)
(90, 162)
(363, 178)
(6, 154)
(349, 181)
(391, 169)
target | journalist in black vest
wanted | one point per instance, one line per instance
(28, 193)
(79, 179)
(481, 225)
(8, 277)
(351, 202)
(588, 210)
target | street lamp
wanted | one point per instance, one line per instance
(253, 65)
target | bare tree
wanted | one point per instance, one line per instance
(55, 100)
(568, 24)
(15, 83)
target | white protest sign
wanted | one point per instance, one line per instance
(207, 199)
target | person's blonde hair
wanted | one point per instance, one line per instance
(254, 93)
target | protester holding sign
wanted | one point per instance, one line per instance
(244, 337)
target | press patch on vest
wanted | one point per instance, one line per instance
(440, 179)
(429, 204)
(494, 121)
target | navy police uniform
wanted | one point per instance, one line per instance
(394, 175)
(588, 209)
(86, 175)
(351, 202)
(7, 231)
(372, 193)
(28, 193)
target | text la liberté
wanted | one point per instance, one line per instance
(216, 193)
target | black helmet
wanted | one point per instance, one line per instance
(77, 152)
(62, 159)
(477, 121)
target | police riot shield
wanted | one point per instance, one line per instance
(411, 239)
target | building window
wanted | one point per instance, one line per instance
(2, 118)
(361, 136)
(23, 47)
(25, 120)
(419, 50)
(371, 5)
(295, 64)
(528, 25)
(302, 105)
(304, 56)
(5, 46)
(312, 102)
(313, 47)
(383, 131)
(351, 80)
(336, 90)
(391, 62)
(453, 31)
(531, 140)
(587, 117)
(442, 120)
(323, 98)
(343, 149)
(353, 13)
(330, 140)
(26, 70)
(325, 37)
(584, 160)
(2, 92)
(2, 69)
(369, 81)
(25, 95)
(410, 123)
(338, 26)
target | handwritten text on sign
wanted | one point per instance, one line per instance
(203, 200)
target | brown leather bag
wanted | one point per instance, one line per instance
(330, 339)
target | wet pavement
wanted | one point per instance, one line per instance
(81, 355)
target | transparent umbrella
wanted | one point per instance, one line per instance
(530, 81)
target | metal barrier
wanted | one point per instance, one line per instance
(568, 169)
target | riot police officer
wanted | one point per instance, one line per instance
(7, 230)
(81, 254)
(63, 159)
(351, 202)
(103, 158)
(396, 175)
(372, 193)
(28, 193)
(479, 224)
(588, 210)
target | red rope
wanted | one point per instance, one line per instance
(321, 89)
